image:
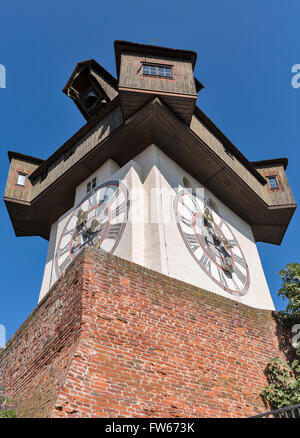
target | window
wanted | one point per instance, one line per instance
(91, 185)
(165, 71)
(157, 70)
(273, 183)
(21, 179)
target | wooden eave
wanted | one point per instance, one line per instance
(93, 121)
(228, 145)
(270, 163)
(132, 99)
(23, 157)
(155, 123)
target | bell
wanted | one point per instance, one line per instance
(91, 99)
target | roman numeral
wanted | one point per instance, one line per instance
(232, 242)
(119, 210)
(235, 285)
(239, 260)
(65, 263)
(70, 230)
(113, 231)
(187, 208)
(195, 202)
(239, 275)
(185, 220)
(222, 278)
(63, 250)
(205, 262)
(192, 241)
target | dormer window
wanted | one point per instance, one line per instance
(157, 70)
(21, 179)
(273, 183)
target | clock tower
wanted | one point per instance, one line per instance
(150, 185)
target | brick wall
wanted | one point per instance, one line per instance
(34, 363)
(114, 339)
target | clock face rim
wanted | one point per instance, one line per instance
(202, 199)
(123, 188)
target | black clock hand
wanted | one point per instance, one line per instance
(217, 241)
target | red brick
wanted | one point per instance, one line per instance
(124, 341)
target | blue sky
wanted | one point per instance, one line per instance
(246, 50)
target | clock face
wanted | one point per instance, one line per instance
(99, 220)
(211, 242)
